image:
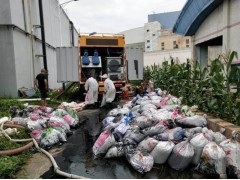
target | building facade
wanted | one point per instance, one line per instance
(21, 43)
(162, 45)
(214, 25)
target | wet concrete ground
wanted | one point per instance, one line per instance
(77, 158)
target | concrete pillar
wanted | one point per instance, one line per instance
(226, 23)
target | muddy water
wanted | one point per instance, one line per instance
(77, 158)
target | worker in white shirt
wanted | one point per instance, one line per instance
(109, 92)
(91, 86)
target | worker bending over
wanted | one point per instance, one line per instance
(91, 86)
(109, 92)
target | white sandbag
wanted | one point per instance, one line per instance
(20, 121)
(144, 122)
(170, 107)
(59, 112)
(156, 98)
(133, 136)
(115, 151)
(106, 121)
(162, 114)
(198, 143)
(149, 112)
(70, 120)
(162, 151)
(137, 107)
(147, 107)
(128, 105)
(147, 145)
(192, 131)
(154, 130)
(50, 137)
(103, 143)
(181, 155)
(120, 130)
(218, 137)
(36, 125)
(144, 103)
(213, 160)
(232, 149)
(56, 121)
(141, 162)
(176, 135)
(194, 121)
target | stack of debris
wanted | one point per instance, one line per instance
(156, 129)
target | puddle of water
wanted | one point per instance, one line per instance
(77, 158)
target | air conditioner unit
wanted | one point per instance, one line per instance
(114, 64)
(115, 76)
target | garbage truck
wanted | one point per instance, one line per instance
(96, 54)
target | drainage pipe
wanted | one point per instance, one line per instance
(56, 167)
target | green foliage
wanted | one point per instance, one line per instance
(9, 165)
(210, 89)
(5, 104)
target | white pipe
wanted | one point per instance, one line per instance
(35, 99)
(56, 167)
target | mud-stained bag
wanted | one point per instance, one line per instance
(55, 121)
(176, 135)
(218, 137)
(103, 143)
(147, 145)
(181, 156)
(20, 121)
(154, 130)
(232, 149)
(133, 136)
(36, 125)
(115, 151)
(141, 162)
(162, 151)
(194, 121)
(198, 143)
(213, 161)
(51, 137)
(144, 122)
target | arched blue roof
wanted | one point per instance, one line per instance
(193, 14)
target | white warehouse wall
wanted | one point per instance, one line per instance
(223, 21)
(158, 57)
(21, 45)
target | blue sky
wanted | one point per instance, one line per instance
(113, 16)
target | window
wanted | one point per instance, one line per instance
(187, 42)
(148, 46)
(147, 30)
(153, 34)
(162, 44)
(175, 46)
(148, 40)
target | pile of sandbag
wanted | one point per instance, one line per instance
(156, 129)
(47, 126)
